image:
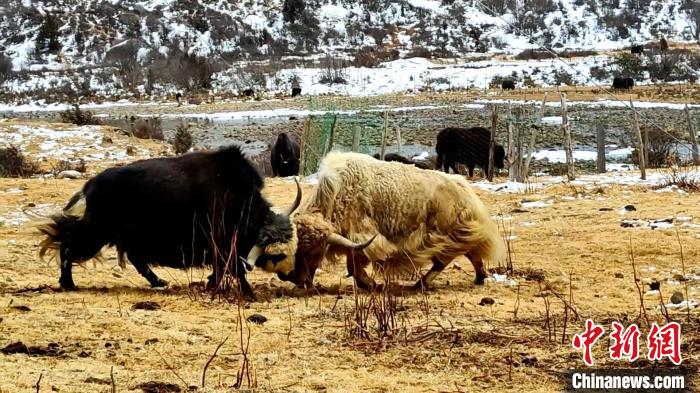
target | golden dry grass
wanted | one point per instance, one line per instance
(304, 345)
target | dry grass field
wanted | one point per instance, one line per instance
(570, 259)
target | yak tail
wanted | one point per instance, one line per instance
(59, 228)
(54, 230)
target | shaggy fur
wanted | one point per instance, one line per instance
(422, 217)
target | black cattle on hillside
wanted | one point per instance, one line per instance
(399, 158)
(466, 146)
(198, 209)
(623, 83)
(248, 92)
(637, 49)
(296, 88)
(508, 84)
(284, 156)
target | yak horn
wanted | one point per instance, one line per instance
(253, 256)
(343, 241)
(297, 201)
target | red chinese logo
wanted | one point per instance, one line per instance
(662, 342)
(587, 339)
(625, 342)
(665, 342)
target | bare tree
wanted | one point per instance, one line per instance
(694, 19)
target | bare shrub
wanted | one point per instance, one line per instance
(672, 65)
(577, 53)
(683, 177)
(5, 68)
(365, 57)
(628, 65)
(333, 72)
(600, 73)
(124, 58)
(186, 71)
(182, 142)
(66, 165)
(79, 117)
(148, 128)
(375, 317)
(13, 163)
(419, 51)
(659, 145)
(531, 54)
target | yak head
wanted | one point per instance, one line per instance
(315, 237)
(276, 244)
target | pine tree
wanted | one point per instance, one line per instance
(47, 41)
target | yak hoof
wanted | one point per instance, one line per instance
(421, 286)
(159, 283)
(67, 285)
(480, 277)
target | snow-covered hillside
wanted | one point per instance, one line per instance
(149, 44)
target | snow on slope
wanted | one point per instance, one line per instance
(90, 31)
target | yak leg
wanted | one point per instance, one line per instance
(470, 167)
(66, 279)
(478, 269)
(244, 287)
(357, 261)
(427, 279)
(142, 267)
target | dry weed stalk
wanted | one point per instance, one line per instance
(685, 280)
(111, 378)
(516, 304)
(38, 383)
(642, 309)
(664, 310)
(170, 368)
(211, 358)
(245, 373)
(547, 321)
(508, 240)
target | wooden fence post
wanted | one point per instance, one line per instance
(693, 142)
(356, 138)
(329, 147)
(398, 139)
(492, 142)
(382, 150)
(304, 136)
(600, 143)
(567, 139)
(512, 154)
(640, 144)
(533, 136)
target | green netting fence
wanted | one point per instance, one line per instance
(342, 131)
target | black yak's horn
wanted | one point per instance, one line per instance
(297, 201)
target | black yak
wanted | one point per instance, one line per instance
(202, 208)
(637, 49)
(466, 146)
(296, 88)
(508, 84)
(399, 158)
(284, 156)
(623, 83)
